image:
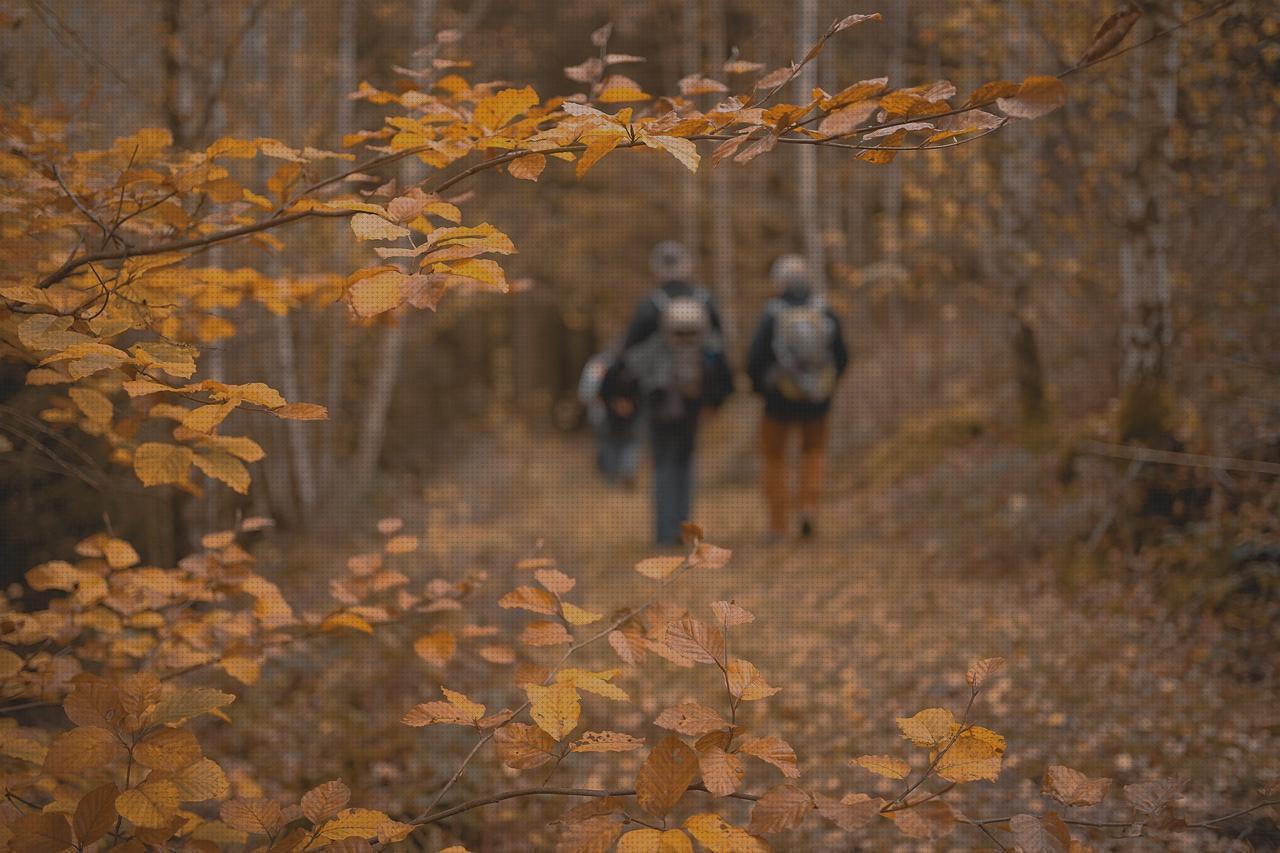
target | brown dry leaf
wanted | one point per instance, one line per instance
(730, 614)
(1151, 797)
(403, 544)
(575, 615)
(853, 811)
(655, 841)
(1046, 834)
(46, 832)
(980, 672)
(500, 655)
(627, 646)
(607, 742)
(1037, 96)
(665, 775)
(150, 805)
(690, 718)
(523, 747)
(530, 598)
(324, 801)
(746, 682)
(1073, 788)
(930, 820)
(556, 581)
(1111, 33)
(544, 633)
(95, 814)
(773, 750)
(883, 765)
(593, 835)
(781, 807)
(436, 648)
(722, 772)
(80, 750)
(168, 749)
(695, 640)
(659, 568)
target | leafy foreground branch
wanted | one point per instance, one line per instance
(118, 645)
(101, 287)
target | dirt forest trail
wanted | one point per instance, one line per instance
(872, 621)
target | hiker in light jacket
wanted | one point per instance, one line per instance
(795, 361)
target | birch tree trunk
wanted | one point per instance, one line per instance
(1008, 252)
(344, 122)
(690, 214)
(723, 278)
(373, 426)
(807, 198)
(1146, 334)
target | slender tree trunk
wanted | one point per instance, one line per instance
(1146, 334)
(344, 123)
(1008, 251)
(373, 426)
(690, 214)
(723, 276)
(807, 198)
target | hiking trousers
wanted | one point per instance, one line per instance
(672, 447)
(774, 437)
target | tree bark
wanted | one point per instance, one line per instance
(807, 198)
(1146, 334)
(723, 277)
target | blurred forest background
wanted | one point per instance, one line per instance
(1058, 434)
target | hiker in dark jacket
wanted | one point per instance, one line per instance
(672, 366)
(795, 360)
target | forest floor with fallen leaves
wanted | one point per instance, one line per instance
(877, 617)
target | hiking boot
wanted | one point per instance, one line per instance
(806, 527)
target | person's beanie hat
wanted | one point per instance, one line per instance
(670, 261)
(789, 270)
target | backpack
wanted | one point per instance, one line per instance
(669, 364)
(803, 344)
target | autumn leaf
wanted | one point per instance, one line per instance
(436, 648)
(722, 772)
(188, 703)
(975, 754)
(95, 814)
(930, 820)
(773, 750)
(719, 836)
(168, 748)
(523, 747)
(665, 775)
(883, 765)
(544, 633)
(1111, 33)
(555, 708)
(1047, 834)
(150, 805)
(201, 780)
(606, 742)
(589, 836)
(599, 683)
(325, 801)
(81, 749)
(575, 615)
(850, 812)
(746, 682)
(781, 807)
(1151, 797)
(530, 598)
(690, 718)
(527, 168)
(497, 110)
(695, 640)
(659, 568)
(457, 710)
(980, 672)
(159, 464)
(369, 226)
(1036, 97)
(1073, 788)
(929, 728)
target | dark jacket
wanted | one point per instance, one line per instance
(622, 382)
(647, 316)
(761, 357)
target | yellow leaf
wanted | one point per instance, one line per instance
(224, 467)
(301, 412)
(718, 836)
(376, 294)
(119, 554)
(436, 648)
(485, 271)
(458, 710)
(325, 801)
(594, 682)
(150, 805)
(168, 748)
(575, 615)
(346, 619)
(620, 90)
(202, 780)
(528, 168)
(369, 226)
(205, 418)
(683, 150)
(95, 405)
(883, 765)
(598, 145)
(497, 110)
(159, 464)
(929, 728)
(659, 568)
(81, 749)
(555, 709)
